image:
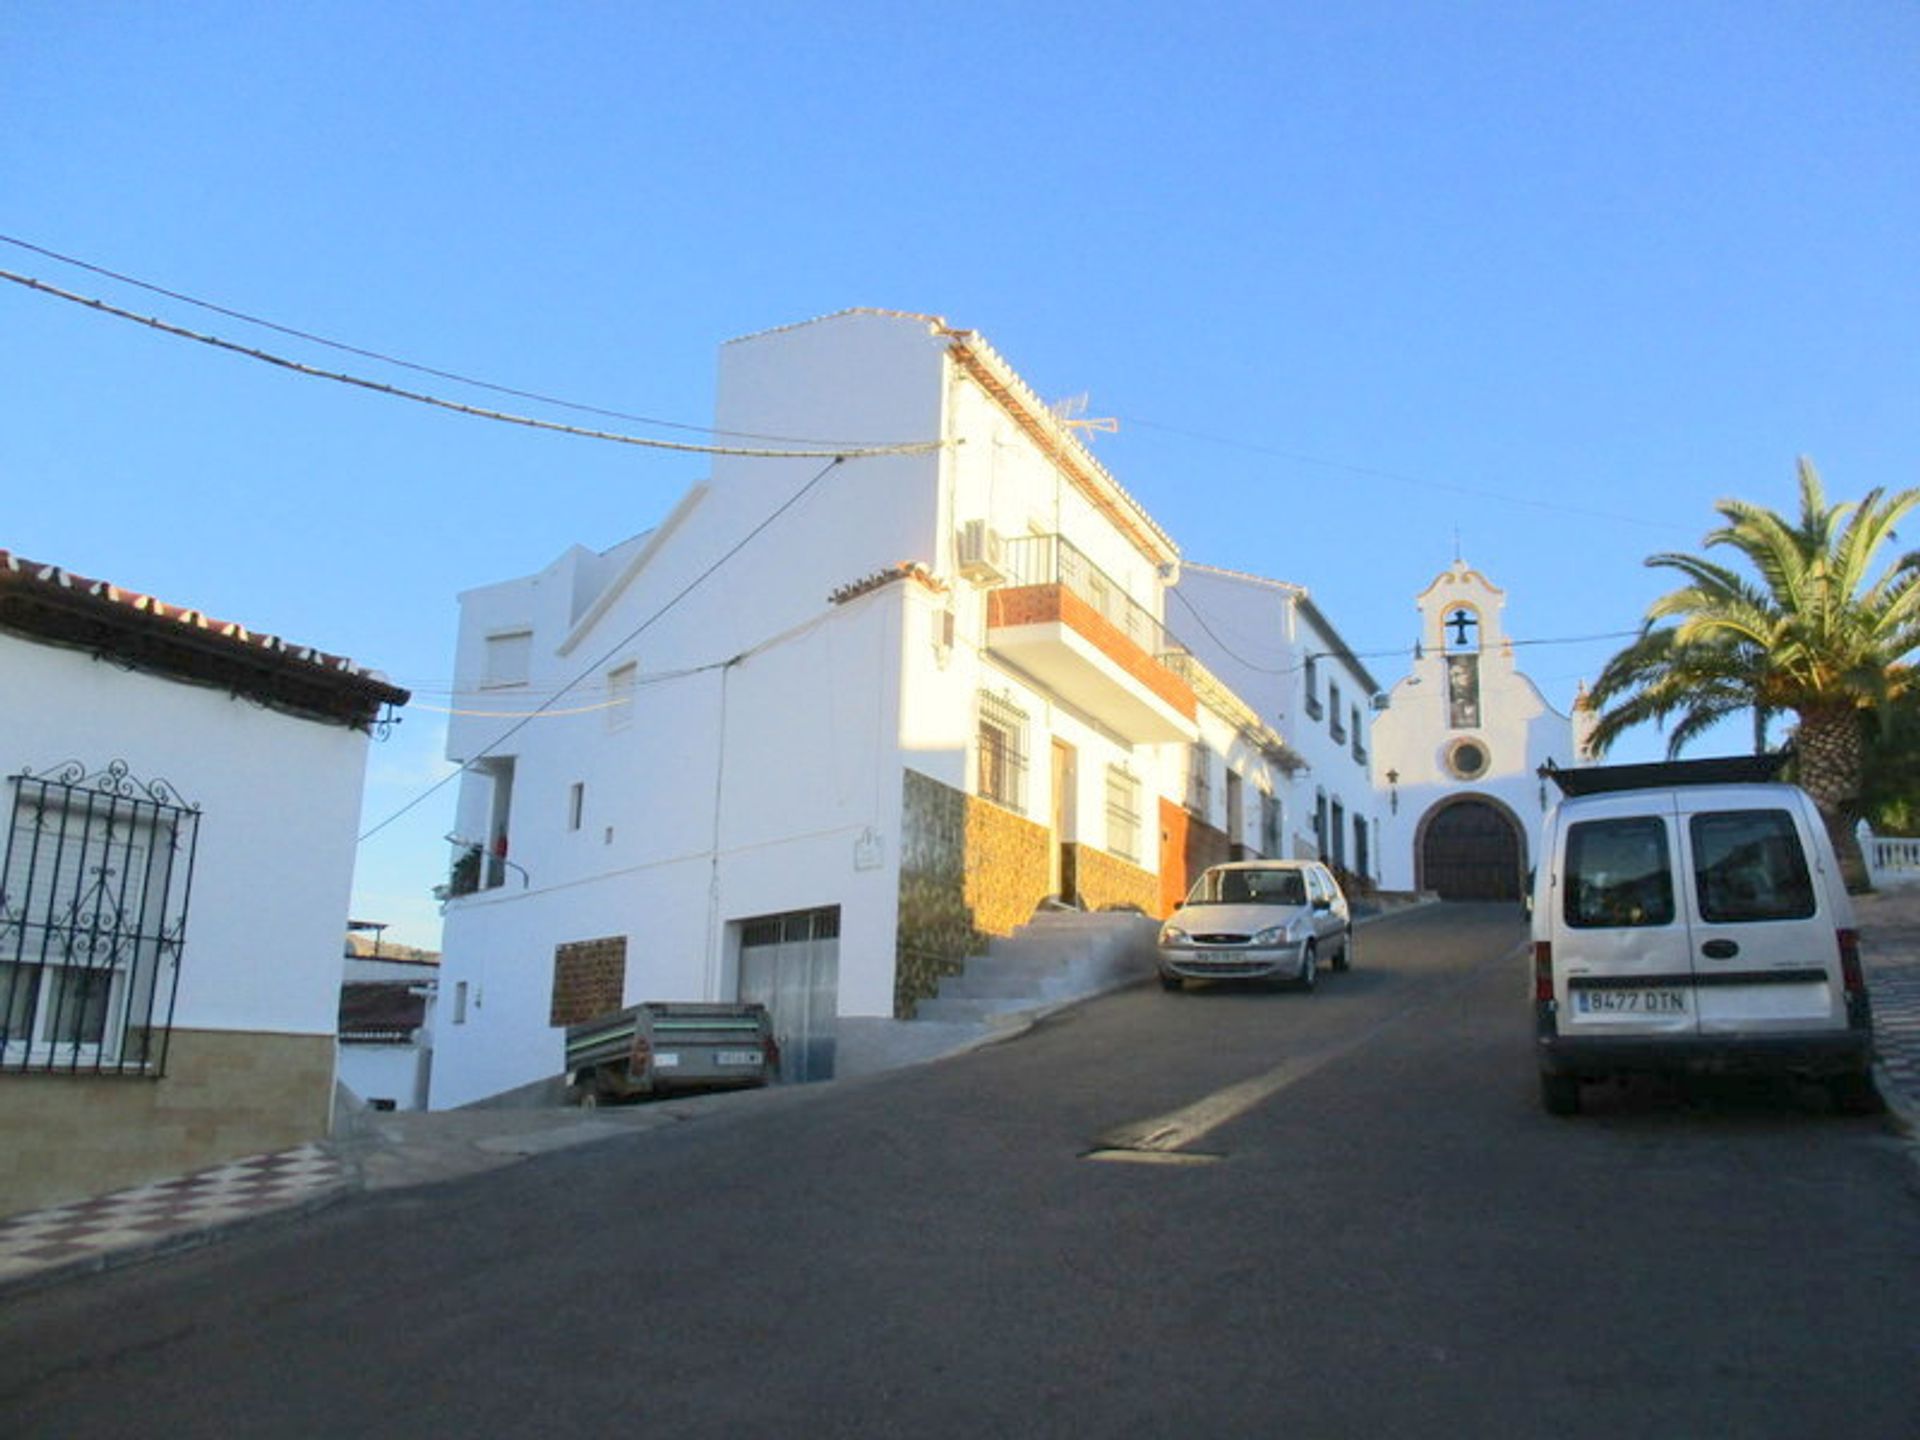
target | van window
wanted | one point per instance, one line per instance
(1618, 873)
(1748, 865)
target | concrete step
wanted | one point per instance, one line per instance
(1058, 956)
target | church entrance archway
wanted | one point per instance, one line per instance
(1471, 849)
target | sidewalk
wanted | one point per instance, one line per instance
(391, 1151)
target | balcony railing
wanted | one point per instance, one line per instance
(1055, 560)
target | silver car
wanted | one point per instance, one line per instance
(1258, 920)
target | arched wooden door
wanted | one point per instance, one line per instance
(1470, 850)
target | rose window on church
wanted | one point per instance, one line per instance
(1467, 759)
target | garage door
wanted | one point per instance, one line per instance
(1471, 851)
(791, 964)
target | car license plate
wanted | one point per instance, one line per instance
(737, 1057)
(1660, 1000)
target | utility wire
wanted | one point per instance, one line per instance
(854, 452)
(613, 650)
(1413, 480)
(1294, 669)
(385, 359)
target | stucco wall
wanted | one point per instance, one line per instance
(226, 1094)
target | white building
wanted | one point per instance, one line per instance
(1273, 646)
(1458, 751)
(181, 800)
(830, 724)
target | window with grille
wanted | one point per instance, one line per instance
(1002, 744)
(1123, 812)
(93, 913)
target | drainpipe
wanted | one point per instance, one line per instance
(713, 858)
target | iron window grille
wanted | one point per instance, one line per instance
(94, 887)
(1003, 753)
(1123, 812)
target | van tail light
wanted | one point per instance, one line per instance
(1851, 975)
(641, 1058)
(1542, 971)
(773, 1053)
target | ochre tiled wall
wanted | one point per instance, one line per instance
(225, 1095)
(1106, 882)
(589, 979)
(969, 870)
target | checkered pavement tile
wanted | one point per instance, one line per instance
(41, 1240)
(1896, 1028)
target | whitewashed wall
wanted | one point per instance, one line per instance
(279, 799)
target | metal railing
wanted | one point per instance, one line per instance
(1055, 560)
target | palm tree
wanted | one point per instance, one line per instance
(1812, 633)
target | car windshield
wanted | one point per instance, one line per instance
(1250, 887)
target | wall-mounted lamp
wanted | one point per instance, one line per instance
(1393, 791)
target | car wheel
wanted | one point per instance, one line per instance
(1344, 961)
(1172, 983)
(1309, 968)
(1560, 1094)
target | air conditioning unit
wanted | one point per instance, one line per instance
(982, 553)
(1382, 700)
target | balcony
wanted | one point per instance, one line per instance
(1062, 620)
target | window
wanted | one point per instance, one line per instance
(1270, 826)
(576, 803)
(620, 686)
(1002, 745)
(1314, 711)
(1618, 874)
(509, 652)
(1236, 809)
(1123, 812)
(1748, 865)
(1336, 723)
(1199, 780)
(93, 899)
(1359, 739)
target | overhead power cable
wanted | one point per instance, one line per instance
(1300, 665)
(613, 650)
(379, 387)
(824, 446)
(1418, 482)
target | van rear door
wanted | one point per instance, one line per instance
(1765, 953)
(1620, 936)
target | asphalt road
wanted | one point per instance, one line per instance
(1221, 1213)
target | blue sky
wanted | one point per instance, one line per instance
(1355, 280)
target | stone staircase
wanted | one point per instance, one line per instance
(1059, 955)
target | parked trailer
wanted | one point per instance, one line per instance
(660, 1046)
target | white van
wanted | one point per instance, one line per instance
(1690, 916)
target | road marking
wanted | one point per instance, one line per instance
(1153, 1157)
(1162, 1135)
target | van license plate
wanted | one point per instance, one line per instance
(737, 1057)
(1663, 1001)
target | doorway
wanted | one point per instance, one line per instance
(1065, 783)
(791, 964)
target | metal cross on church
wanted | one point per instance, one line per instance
(1462, 622)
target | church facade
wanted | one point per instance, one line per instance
(1458, 750)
